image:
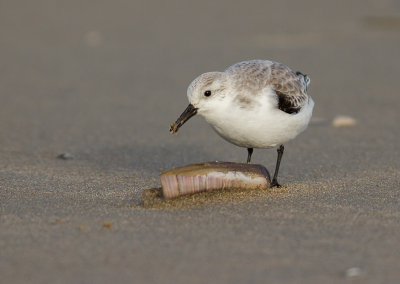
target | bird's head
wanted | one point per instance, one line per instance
(205, 94)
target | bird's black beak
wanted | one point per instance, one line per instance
(188, 113)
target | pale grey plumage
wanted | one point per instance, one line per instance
(255, 75)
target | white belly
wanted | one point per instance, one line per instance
(262, 127)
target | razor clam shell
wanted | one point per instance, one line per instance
(213, 176)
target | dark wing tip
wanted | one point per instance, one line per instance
(286, 104)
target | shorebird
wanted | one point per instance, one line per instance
(252, 104)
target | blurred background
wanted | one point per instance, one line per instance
(106, 79)
(103, 80)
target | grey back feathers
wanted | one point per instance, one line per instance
(255, 75)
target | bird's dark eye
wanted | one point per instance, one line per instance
(207, 93)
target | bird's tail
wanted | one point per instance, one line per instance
(304, 79)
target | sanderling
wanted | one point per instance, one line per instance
(252, 104)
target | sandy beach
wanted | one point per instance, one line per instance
(103, 81)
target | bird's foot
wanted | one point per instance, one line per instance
(275, 184)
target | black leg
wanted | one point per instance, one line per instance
(249, 153)
(278, 162)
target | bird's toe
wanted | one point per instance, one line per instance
(275, 184)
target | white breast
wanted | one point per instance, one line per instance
(261, 125)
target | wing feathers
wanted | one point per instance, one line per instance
(255, 75)
(288, 87)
